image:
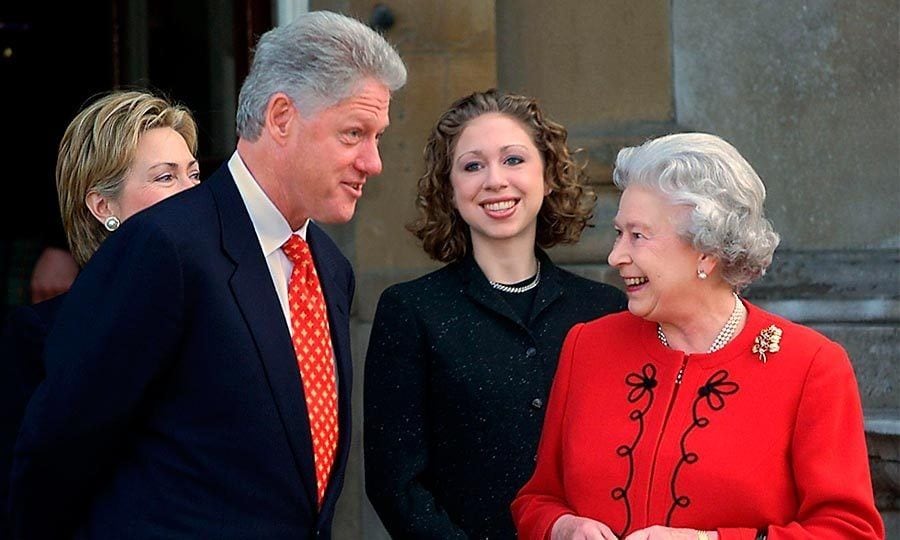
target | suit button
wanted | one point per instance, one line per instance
(537, 403)
(531, 351)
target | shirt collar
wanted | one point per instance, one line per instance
(270, 226)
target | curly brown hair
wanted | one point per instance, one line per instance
(566, 210)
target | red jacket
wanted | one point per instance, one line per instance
(738, 445)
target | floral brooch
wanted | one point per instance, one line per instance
(768, 341)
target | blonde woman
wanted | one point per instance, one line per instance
(122, 153)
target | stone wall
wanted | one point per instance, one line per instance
(808, 92)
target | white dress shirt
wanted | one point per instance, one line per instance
(271, 228)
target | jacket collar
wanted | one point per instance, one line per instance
(478, 288)
(258, 302)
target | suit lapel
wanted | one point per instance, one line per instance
(259, 305)
(327, 261)
(549, 289)
(480, 291)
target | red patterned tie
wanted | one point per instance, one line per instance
(312, 344)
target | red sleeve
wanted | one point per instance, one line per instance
(542, 500)
(830, 461)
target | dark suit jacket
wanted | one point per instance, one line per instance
(173, 406)
(21, 370)
(455, 388)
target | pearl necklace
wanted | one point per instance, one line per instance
(522, 288)
(725, 334)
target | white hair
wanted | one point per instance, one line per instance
(318, 60)
(726, 196)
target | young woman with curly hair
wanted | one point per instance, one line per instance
(460, 361)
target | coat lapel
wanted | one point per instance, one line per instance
(549, 289)
(479, 289)
(328, 261)
(258, 303)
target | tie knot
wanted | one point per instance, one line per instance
(296, 249)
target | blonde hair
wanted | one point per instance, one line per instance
(97, 151)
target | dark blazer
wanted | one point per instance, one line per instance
(455, 389)
(21, 370)
(173, 406)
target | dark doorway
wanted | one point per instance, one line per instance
(197, 53)
(56, 57)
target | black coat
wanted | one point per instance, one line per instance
(172, 405)
(21, 370)
(455, 388)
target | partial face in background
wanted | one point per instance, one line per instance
(334, 152)
(658, 266)
(497, 174)
(163, 166)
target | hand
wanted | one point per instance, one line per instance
(658, 532)
(53, 274)
(569, 527)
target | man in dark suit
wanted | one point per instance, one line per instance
(178, 401)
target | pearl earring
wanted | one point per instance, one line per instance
(112, 223)
(701, 274)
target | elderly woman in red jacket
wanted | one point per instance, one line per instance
(697, 415)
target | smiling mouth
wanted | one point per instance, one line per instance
(635, 281)
(355, 186)
(499, 206)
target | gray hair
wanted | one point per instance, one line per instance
(726, 195)
(317, 60)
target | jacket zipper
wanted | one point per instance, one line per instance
(680, 374)
(678, 378)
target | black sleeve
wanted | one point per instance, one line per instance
(395, 426)
(21, 345)
(112, 338)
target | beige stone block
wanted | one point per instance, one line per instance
(596, 240)
(459, 26)
(381, 238)
(590, 63)
(415, 108)
(469, 73)
(600, 151)
(428, 26)
(808, 93)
